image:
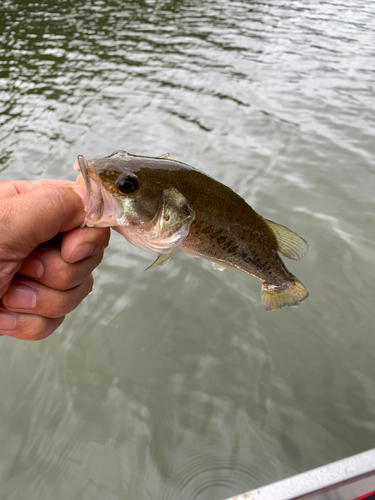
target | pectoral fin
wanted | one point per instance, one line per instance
(289, 243)
(161, 260)
(176, 215)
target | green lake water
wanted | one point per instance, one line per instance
(175, 384)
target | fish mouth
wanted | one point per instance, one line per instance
(94, 196)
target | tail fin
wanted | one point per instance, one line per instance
(291, 295)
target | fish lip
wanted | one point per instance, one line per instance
(94, 199)
(83, 168)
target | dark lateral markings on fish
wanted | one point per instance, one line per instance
(160, 204)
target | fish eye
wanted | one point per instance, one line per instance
(127, 184)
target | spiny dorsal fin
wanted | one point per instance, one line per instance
(161, 260)
(165, 156)
(289, 243)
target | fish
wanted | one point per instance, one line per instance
(159, 204)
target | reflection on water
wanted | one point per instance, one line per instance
(174, 383)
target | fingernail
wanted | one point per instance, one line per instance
(7, 321)
(32, 267)
(83, 251)
(19, 297)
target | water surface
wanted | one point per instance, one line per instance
(175, 384)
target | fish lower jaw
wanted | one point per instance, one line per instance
(143, 241)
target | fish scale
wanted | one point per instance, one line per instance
(160, 204)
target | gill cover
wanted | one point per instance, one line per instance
(170, 227)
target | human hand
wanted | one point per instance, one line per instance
(43, 280)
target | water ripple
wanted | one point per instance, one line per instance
(174, 383)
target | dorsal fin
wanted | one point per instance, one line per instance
(289, 243)
(165, 156)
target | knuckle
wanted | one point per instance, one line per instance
(57, 304)
(11, 241)
(34, 328)
(65, 278)
(58, 307)
(45, 328)
(7, 270)
(105, 235)
(89, 283)
(66, 301)
(72, 275)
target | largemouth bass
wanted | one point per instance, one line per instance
(160, 204)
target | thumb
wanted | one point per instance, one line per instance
(36, 216)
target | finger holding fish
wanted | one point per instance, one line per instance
(29, 297)
(47, 266)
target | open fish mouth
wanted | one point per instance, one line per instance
(95, 193)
